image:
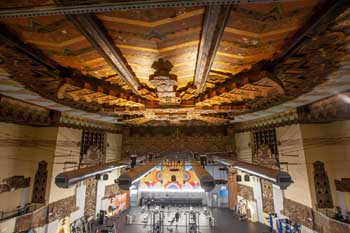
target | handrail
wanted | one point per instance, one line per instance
(28, 208)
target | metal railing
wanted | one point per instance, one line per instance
(335, 216)
(28, 208)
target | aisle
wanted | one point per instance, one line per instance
(225, 222)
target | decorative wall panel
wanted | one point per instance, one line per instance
(111, 190)
(14, 182)
(177, 140)
(62, 208)
(267, 197)
(265, 148)
(90, 198)
(246, 192)
(298, 212)
(40, 182)
(93, 147)
(322, 187)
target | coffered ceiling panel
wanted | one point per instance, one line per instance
(168, 62)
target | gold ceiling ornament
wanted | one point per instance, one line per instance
(165, 82)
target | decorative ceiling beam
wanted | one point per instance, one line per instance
(214, 23)
(8, 39)
(88, 25)
(122, 5)
(236, 82)
(18, 112)
(46, 69)
(324, 16)
(326, 13)
(97, 86)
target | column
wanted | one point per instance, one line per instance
(232, 187)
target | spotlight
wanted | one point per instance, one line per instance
(238, 178)
(246, 178)
(97, 177)
(105, 177)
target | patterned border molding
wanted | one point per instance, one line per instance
(81, 123)
(46, 214)
(14, 111)
(312, 218)
(117, 5)
(333, 108)
(343, 185)
(19, 112)
(278, 120)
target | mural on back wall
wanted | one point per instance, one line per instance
(172, 175)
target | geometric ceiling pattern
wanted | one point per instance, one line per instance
(201, 64)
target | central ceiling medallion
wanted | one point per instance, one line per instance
(165, 83)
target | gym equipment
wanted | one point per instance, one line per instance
(192, 221)
(271, 216)
(157, 221)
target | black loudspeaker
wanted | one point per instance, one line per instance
(173, 178)
(238, 178)
(98, 176)
(133, 162)
(101, 217)
(246, 178)
(105, 177)
(203, 161)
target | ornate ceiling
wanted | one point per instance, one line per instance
(200, 64)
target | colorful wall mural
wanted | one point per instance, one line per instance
(118, 203)
(171, 175)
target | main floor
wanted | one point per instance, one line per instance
(225, 221)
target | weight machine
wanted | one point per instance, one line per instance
(283, 225)
(192, 221)
(157, 221)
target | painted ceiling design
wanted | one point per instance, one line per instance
(175, 65)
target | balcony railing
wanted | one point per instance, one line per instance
(336, 216)
(28, 208)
